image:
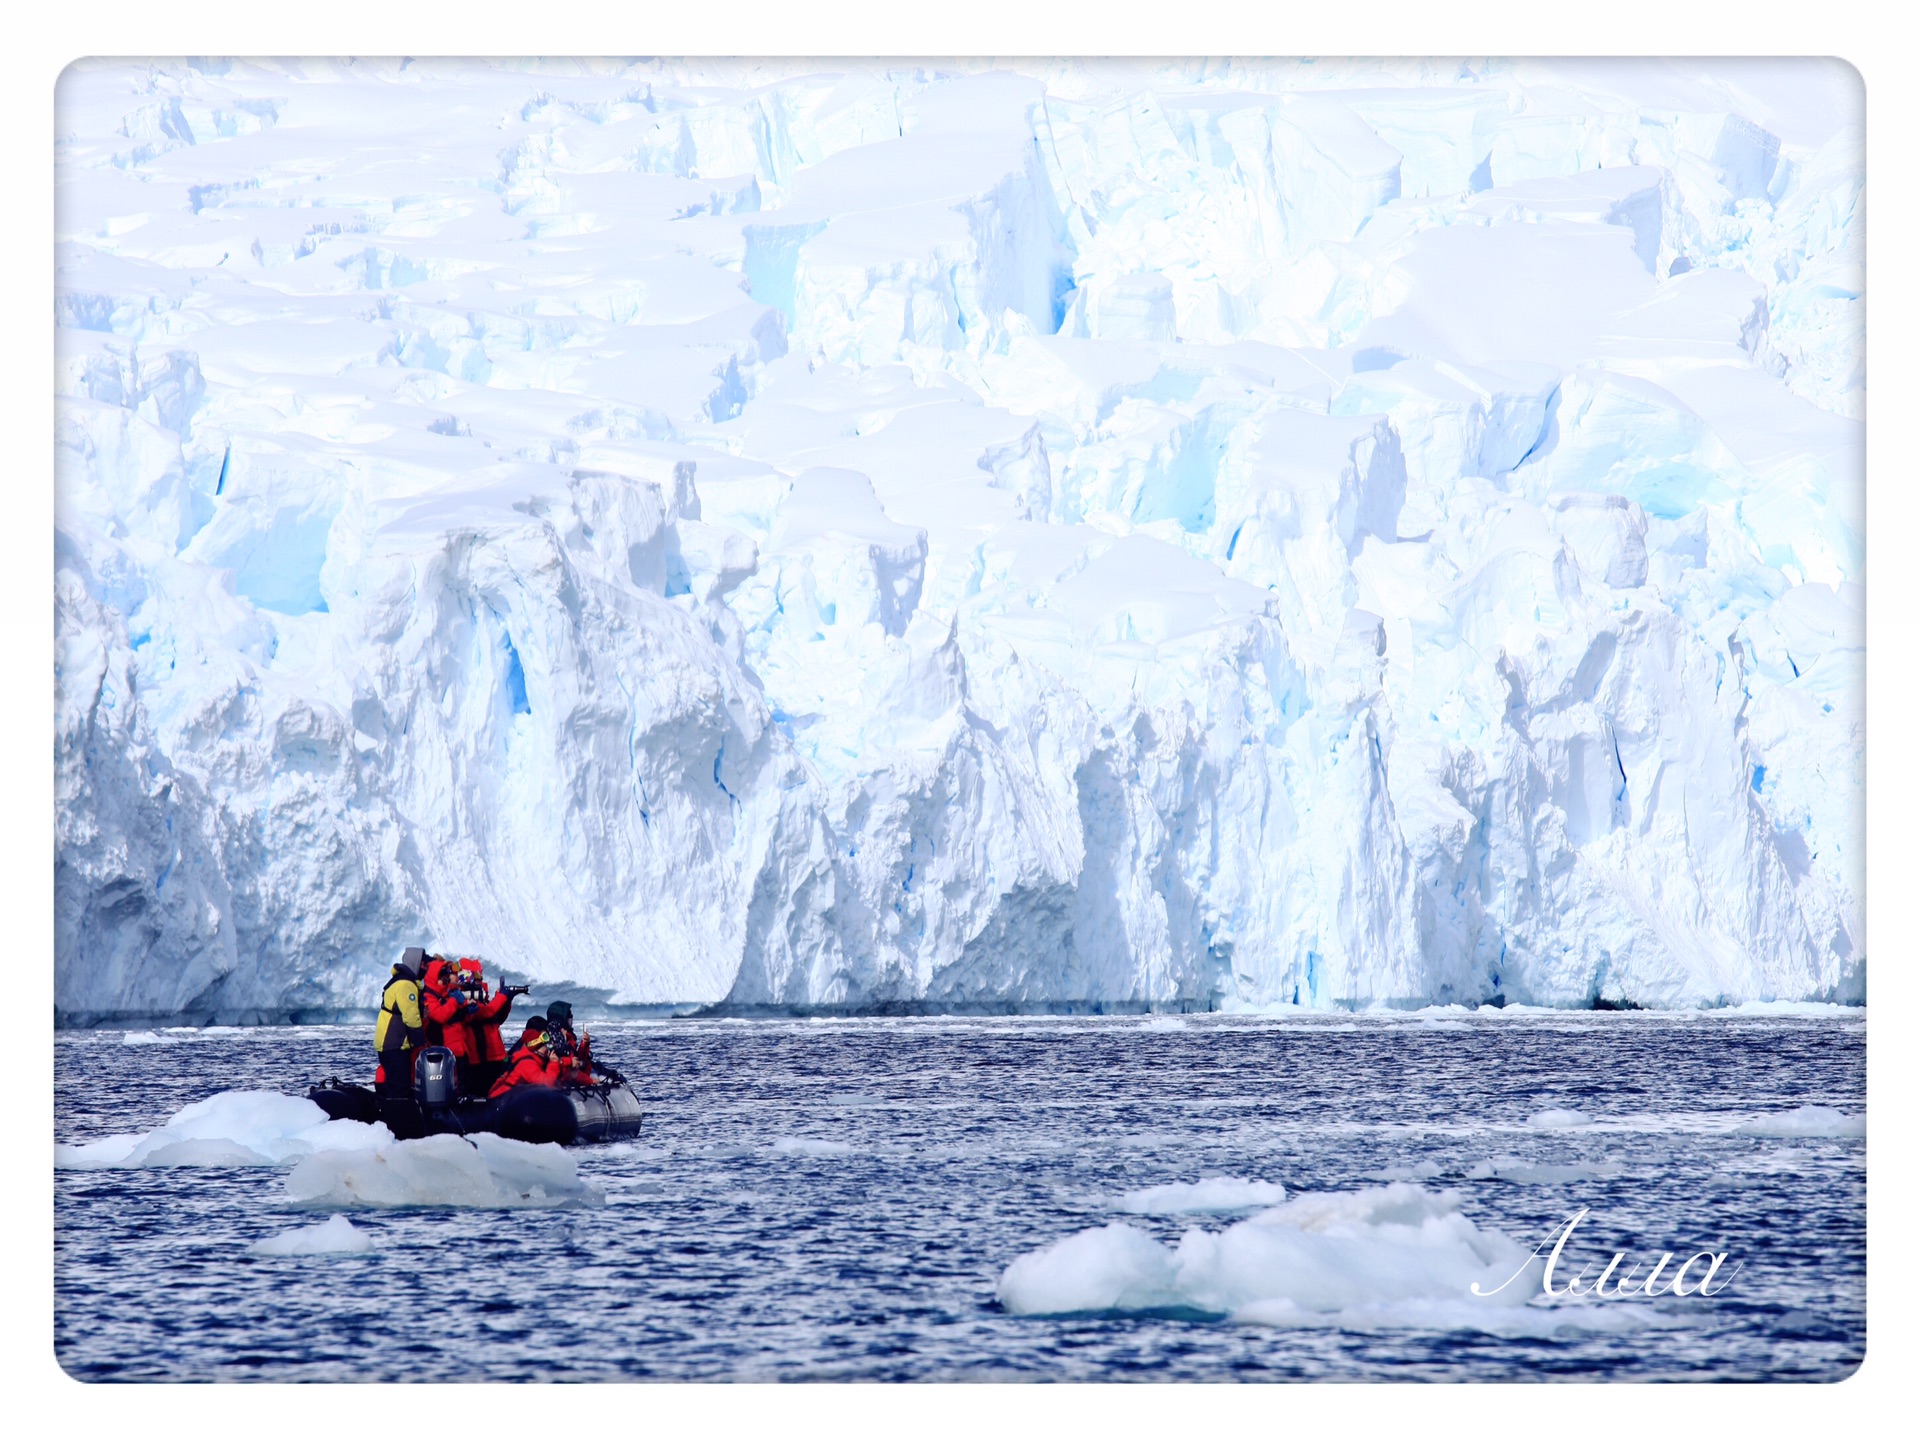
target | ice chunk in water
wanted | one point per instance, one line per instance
(1396, 1256)
(1117, 1267)
(232, 1128)
(1559, 1119)
(479, 1171)
(813, 1148)
(1164, 1024)
(334, 1236)
(1212, 1195)
(147, 1036)
(1810, 1121)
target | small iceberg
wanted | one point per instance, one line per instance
(334, 1236)
(1391, 1257)
(237, 1127)
(1559, 1119)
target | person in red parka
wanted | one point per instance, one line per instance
(532, 1061)
(482, 1052)
(442, 1003)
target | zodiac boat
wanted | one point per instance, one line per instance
(572, 1114)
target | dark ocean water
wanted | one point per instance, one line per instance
(726, 1251)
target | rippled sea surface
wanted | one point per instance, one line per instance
(835, 1199)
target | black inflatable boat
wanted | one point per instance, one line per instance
(574, 1114)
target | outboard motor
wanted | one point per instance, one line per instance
(433, 1077)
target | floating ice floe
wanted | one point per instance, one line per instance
(236, 1127)
(1391, 1257)
(148, 1036)
(1214, 1195)
(1809, 1121)
(1164, 1024)
(478, 1171)
(812, 1148)
(1559, 1119)
(332, 1236)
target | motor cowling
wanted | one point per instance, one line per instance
(433, 1075)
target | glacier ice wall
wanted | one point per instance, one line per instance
(1127, 534)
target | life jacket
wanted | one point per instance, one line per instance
(399, 1025)
(525, 1066)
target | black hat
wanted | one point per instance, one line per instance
(560, 1012)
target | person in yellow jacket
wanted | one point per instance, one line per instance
(399, 1031)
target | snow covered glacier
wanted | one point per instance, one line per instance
(1176, 535)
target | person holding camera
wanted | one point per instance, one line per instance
(482, 1052)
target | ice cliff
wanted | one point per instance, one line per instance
(1180, 535)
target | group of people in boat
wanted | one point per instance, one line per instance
(433, 1000)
